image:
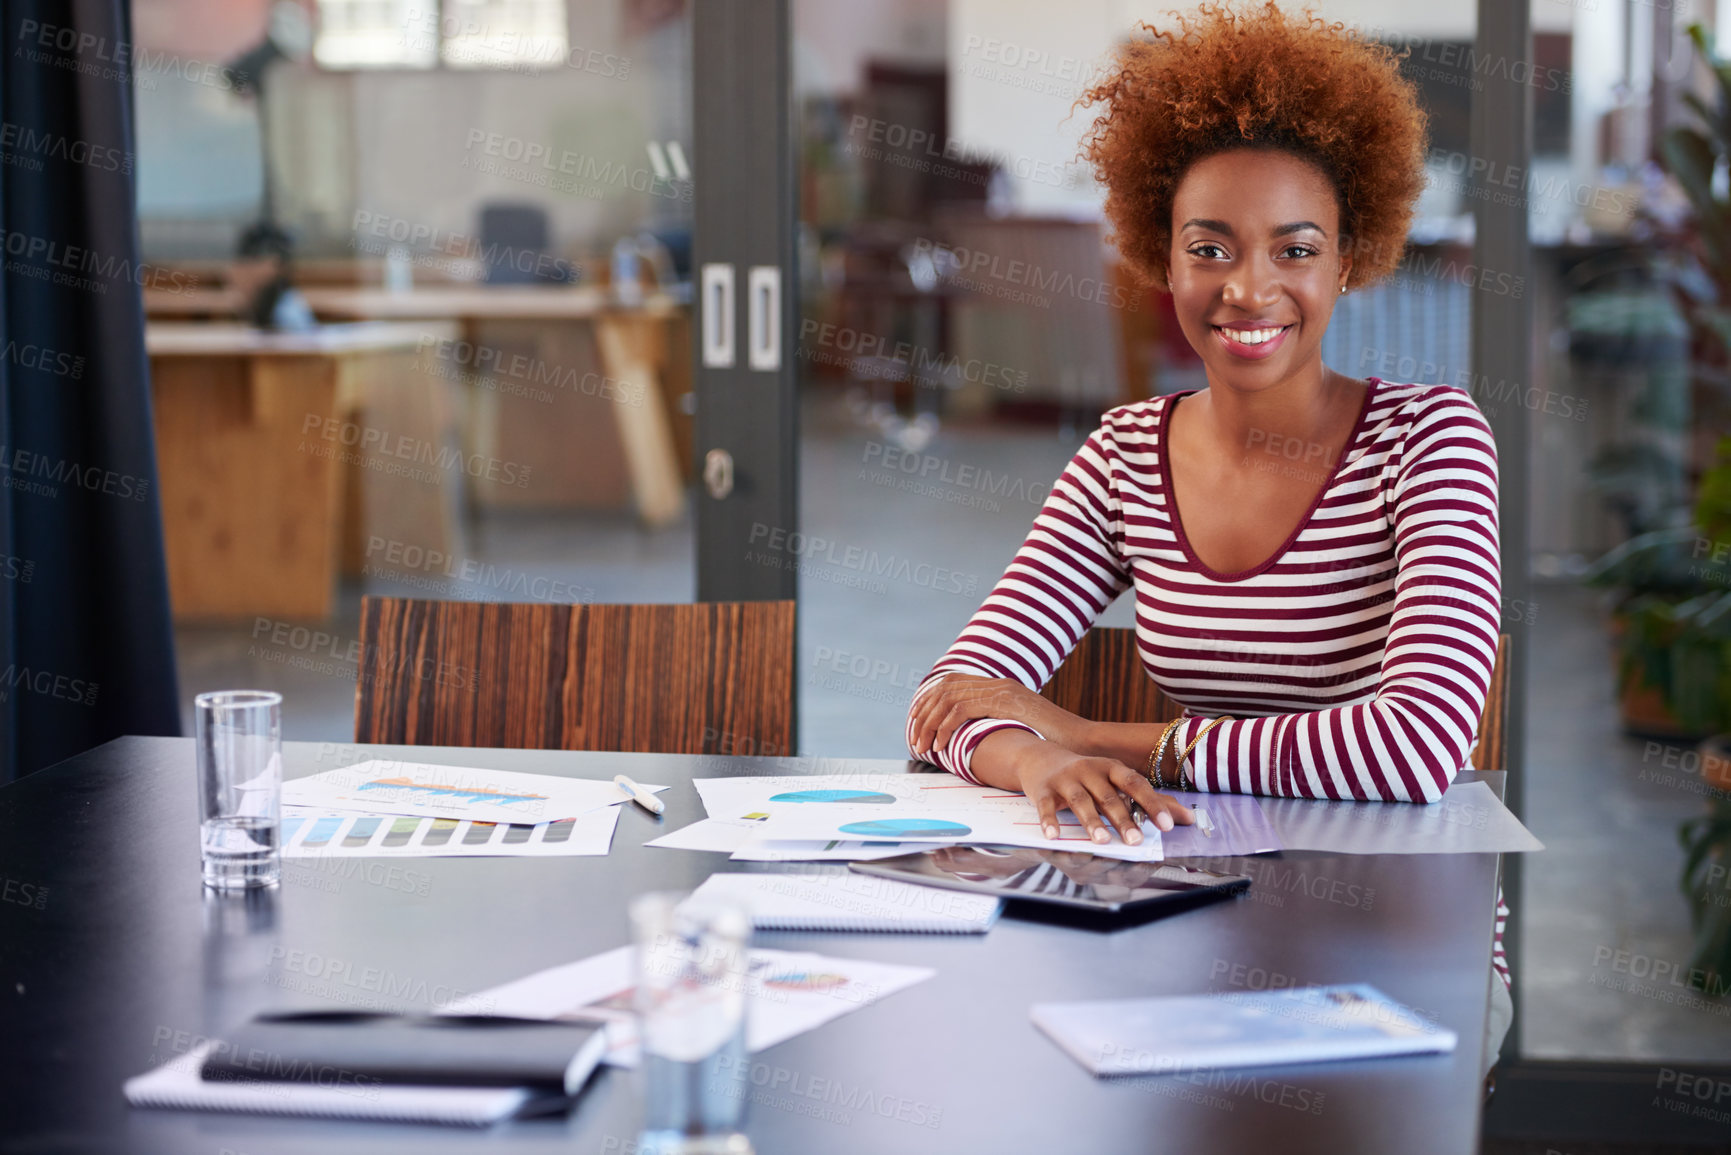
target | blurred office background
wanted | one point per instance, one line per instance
(442, 165)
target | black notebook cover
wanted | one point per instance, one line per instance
(337, 1048)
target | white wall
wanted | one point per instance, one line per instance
(1008, 99)
(833, 40)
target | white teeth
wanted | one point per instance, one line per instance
(1252, 336)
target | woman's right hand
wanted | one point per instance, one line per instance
(1096, 790)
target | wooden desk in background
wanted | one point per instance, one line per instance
(580, 385)
(574, 380)
(281, 454)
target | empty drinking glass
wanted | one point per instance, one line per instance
(693, 972)
(239, 735)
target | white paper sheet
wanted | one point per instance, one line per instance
(1239, 826)
(739, 797)
(720, 835)
(310, 833)
(817, 808)
(177, 1085)
(422, 788)
(823, 851)
(1008, 821)
(791, 992)
(1468, 819)
(736, 836)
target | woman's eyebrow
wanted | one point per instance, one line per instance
(1222, 227)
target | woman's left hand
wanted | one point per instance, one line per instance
(957, 699)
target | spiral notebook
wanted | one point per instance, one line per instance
(1160, 1036)
(177, 1085)
(848, 902)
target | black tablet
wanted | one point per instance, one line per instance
(1082, 882)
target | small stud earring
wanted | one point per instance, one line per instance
(1343, 288)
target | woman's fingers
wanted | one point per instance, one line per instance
(1110, 804)
(953, 719)
(1164, 809)
(939, 703)
(1135, 785)
(1081, 804)
(1046, 806)
(933, 709)
(1171, 811)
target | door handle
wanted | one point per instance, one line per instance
(718, 473)
(717, 310)
(763, 311)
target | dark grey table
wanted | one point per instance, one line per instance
(113, 957)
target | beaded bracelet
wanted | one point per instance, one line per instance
(1159, 752)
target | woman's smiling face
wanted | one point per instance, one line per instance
(1257, 264)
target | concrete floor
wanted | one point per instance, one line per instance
(957, 510)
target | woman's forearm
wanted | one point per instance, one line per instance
(1130, 743)
(1001, 755)
(997, 760)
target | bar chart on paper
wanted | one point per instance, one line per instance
(461, 792)
(312, 834)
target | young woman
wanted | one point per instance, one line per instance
(1314, 556)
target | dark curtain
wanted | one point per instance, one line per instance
(86, 647)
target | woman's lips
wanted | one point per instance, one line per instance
(1251, 352)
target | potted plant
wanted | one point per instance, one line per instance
(1673, 627)
(1697, 629)
(1672, 617)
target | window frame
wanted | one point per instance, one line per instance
(439, 62)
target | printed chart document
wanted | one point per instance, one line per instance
(1237, 1029)
(849, 902)
(463, 792)
(1468, 819)
(737, 836)
(790, 991)
(1009, 821)
(917, 809)
(308, 833)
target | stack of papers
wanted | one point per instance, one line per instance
(855, 817)
(418, 809)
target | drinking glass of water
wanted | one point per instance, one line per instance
(693, 971)
(239, 734)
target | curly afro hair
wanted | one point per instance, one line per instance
(1226, 80)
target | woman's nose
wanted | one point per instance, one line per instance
(1251, 285)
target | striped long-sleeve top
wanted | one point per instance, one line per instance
(1354, 662)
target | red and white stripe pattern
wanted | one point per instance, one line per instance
(1354, 661)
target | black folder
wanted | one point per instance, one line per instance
(337, 1048)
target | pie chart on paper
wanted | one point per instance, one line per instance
(905, 828)
(870, 797)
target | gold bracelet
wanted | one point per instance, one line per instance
(1159, 751)
(1199, 736)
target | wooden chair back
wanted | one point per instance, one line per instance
(1103, 680)
(704, 678)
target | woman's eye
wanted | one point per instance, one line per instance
(1300, 250)
(1209, 251)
